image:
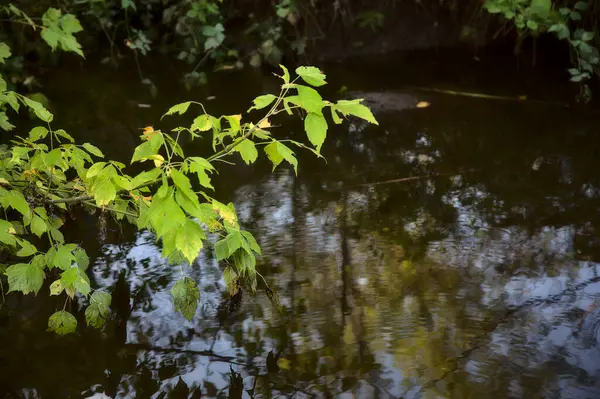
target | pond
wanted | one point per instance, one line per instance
(476, 277)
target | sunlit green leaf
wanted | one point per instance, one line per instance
(92, 149)
(277, 152)
(104, 192)
(189, 240)
(178, 109)
(286, 74)
(261, 102)
(199, 166)
(37, 133)
(355, 108)
(27, 249)
(63, 259)
(315, 126)
(247, 150)
(202, 123)
(311, 75)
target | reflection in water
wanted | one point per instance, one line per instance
(478, 278)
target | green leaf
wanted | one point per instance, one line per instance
(185, 297)
(286, 74)
(4, 52)
(146, 177)
(104, 192)
(178, 109)
(4, 123)
(27, 249)
(234, 123)
(261, 102)
(181, 180)
(251, 242)
(531, 24)
(51, 17)
(581, 5)
(62, 323)
(199, 166)
(311, 75)
(315, 126)
(65, 135)
(64, 257)
(70, 24)
(40, 111)
(15, 200)
(307, 98)
(98, 310)
(247, 150)
(277, 152)
(95, 169)
(575, 16)
(541, 8)
(147, 148)
(165, 215)
(587, 36)
(73, 279)
(227, 246)
(37, 133)
(123, 182)
(355, 108)
(25, 277)
(38, 225)
(12, 100)
(92, 149)
(245, 261)
(202, 123)
(336, 118)
(83, 261)
(189, 240)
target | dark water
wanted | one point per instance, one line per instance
(478, 279)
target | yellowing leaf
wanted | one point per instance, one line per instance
(423, 104)
(56, 288)
(264, 123)
(158, 160)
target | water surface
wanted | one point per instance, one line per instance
(477, 278)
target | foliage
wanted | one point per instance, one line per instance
(45, 172)
(539, 16)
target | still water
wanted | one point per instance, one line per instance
(479, 278)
